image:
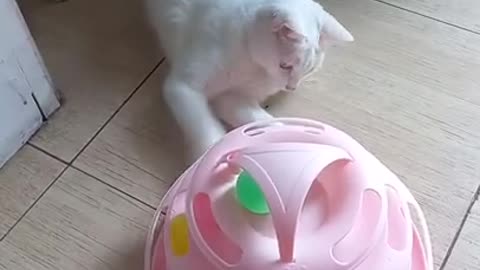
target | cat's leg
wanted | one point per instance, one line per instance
(191, 110)
(237, 110)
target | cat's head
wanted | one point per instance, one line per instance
(289, 39)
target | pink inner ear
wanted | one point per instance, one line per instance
(285, 31)
(289, 34)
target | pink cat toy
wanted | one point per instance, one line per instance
(289, 194)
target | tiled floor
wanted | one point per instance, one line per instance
(81, 194)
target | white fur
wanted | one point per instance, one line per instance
(227, 56)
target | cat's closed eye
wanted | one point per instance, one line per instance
(286, 67)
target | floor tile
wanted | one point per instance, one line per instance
(22, 180)
(405, 104)
(464, 13)
(466, 254)
(407, 89)
(80, 223)
(97, 53)
(140, 151)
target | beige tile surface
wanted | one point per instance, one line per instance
(141, 150)
(407, 89)
(80, 223)
(97, 53)
(464, 13)
(22, 180)
(466, 254)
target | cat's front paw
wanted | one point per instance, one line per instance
(201, 145)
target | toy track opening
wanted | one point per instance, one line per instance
(355, 242)
(216, 239)
(308, 127)
(397, 224)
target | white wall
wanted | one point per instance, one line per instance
(22, 74)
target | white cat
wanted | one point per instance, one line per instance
(227, 56)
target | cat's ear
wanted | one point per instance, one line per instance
(285, 29)
(288, 33)
(333, 32)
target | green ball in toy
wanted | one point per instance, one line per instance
(250, 196)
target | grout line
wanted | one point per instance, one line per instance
(462, 224)
(135, 90)
(428, 16)
(477, 192)
(106, 122)
(55, 180)
(47, 153)
(69, 164)
(114, 187)
(33, 204)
